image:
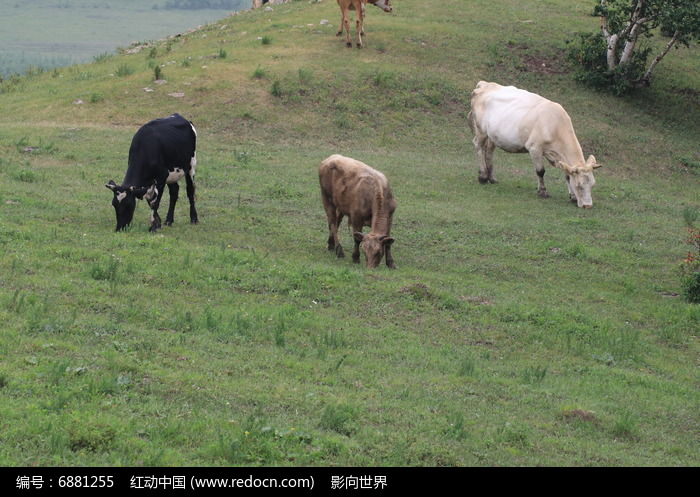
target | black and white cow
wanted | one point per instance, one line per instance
(162, 151)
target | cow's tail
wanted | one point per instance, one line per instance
(470, 120)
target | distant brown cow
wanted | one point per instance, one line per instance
(359, 7)
(352, 188)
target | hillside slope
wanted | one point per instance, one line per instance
(515, 331)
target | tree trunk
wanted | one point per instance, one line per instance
(646, 79)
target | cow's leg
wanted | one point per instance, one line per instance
(359, 23)
(154, 203)
(342, 22)
(190, 196)
(389, 259)
(484, 152)
(173, 189)
(346, 26)
(538, 161)
(334, 218)
(572, 195)
(338, 249)
(488, 160)
(356, 227)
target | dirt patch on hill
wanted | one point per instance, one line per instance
(532, 61)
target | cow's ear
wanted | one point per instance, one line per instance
(387, 240)
(358, 236)
(592, 163)
(112, 186)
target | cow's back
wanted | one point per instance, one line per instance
(351, 184)
(162, 143)
(512, 117)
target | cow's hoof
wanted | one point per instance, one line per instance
(359, 46)
(543, 194)
(349, 45)
(194, 221)
(339, 252)
(168, 223)
(391, 265)
(484, 181)
(339, 33)
(356, 260)
(153, 229)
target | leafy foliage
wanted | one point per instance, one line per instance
(690, 269)
(587, 54)
(617, 57)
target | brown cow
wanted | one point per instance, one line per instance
(359, 7)
(352, 188)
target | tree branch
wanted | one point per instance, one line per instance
(647, 75)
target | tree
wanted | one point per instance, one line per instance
(624, 24)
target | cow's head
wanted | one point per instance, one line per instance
(385, 5)
(580, 181)
(124, 201)
(374, 246)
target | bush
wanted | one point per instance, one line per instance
(588, 54)
(690, 269)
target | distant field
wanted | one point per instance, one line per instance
(51, 33)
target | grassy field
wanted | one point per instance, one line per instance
(49, 33)
(515, 331)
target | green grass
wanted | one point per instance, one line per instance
(515, 331)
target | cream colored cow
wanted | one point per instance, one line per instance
(518, 121)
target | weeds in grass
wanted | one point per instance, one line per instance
(534, 375)
(266, 40)
(256, 442)
(305, 76)
(276, 89)
(259, 73)
(456, 428)
(96, 98)
(105, 271)
(152, 53)
(513, 434)
(625, 425)
(222, 54)
(123, 70)
(467, 366)
(57, 371)
(157, 73)
(25, 176)
(242, 156)
(383, 79)
(90, 435)
(340, 418)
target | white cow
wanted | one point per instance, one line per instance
(518, 121)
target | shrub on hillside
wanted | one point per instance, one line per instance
(690, 268)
